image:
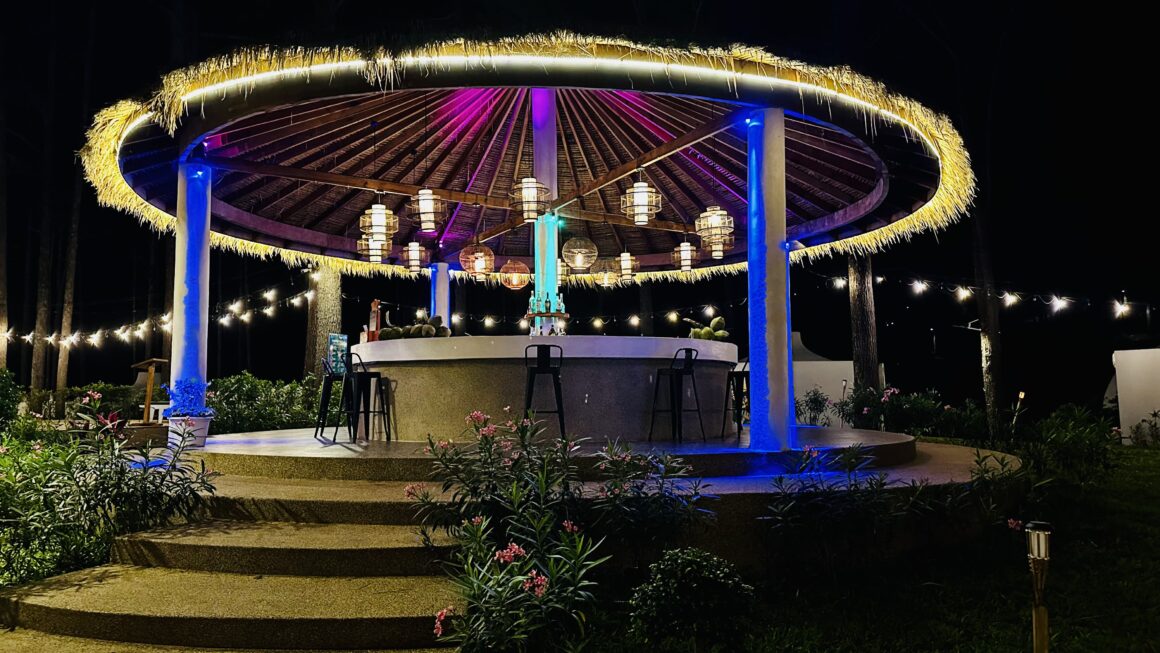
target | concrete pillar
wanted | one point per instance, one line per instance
(770, 342)
(546, 236)
(191, 274)
(441, 293)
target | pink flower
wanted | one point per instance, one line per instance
(85, 400)
(508, 555)
(440, 617)
(488, 431)
(507, 409)
(866, 410)
(477, 521)
(3, 450)
(525, 422)
(506, 445)
(570, 527)
(1015, 524)
(536, 583)
(415, 490)
(477, 418)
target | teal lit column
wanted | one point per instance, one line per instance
(547, 286)
(770, 355)
(546, 234)
(190, 322)
(441, 292)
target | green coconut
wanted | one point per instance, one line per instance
(442, 332)
(427, 331)
(436, 321)
(717, 324)
(707, 333)
(721, 335)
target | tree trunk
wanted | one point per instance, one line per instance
(44, 256)
(73, 234)
(324, 316)
(4, 324)
(988, 305)
(863, 324)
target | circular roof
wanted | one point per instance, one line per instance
(301, 141)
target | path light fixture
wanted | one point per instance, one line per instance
(579, 253)
(530, 198)
(1038, 555)
(641, 202)
(427, 208)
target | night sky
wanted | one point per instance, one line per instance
(1008, 74)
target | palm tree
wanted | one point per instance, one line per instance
(863, 324)
(324, 316)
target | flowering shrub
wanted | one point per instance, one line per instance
(10, 395)
(62, 503)
(694, 597)
(524, 523)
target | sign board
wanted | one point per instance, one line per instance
(336, 353)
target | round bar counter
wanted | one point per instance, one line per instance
(607, 383)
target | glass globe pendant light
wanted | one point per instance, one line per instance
(579, 253)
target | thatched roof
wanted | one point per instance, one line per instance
(298, 137)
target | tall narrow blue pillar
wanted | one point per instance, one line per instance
(770, 342)
(191, 274)
(547, 236)
(441, 292)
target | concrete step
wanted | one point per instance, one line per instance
(155, 605)
(32, 641)
(297, 549)
(318, 501)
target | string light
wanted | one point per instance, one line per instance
(523, 323)
(1058, 303)
(455, 318)
(269, 311)
(296, 300)
(597, 323)
(962, 293)
(271, 294)
(489, 321)
(224, 320)
(634, 320)
(309, 295)
(1010, 299)
(709, 311)
(673, 316)
(1120, 309)
(839, 282)
(919, 287)
(236, 307)
(247, 316)
(879, 279)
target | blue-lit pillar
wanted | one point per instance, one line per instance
(546, 235)
(190, 323)
(441, 292)
(770, 355)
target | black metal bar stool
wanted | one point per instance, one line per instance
(361, 388)
(684, 360)
(736, 397)
(548, 360)
(325, 394)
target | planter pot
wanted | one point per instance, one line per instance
(193, 429)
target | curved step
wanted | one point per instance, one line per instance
(32, 641)
(298, 549)
(319, 501)
(154, 605)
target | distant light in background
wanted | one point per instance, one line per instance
(489, 321)
(247, 316)
(838, 282)
(420, 313)
(236, 307)
(879, 279)
(598, 323)
(297, 301)
(963, 293)
(269, 311)
(710, 311)
(523, 323)
(455, 318)
(1121, 308)
(1058, 303)
(1010, 299)
(634, 320)
(223, 320)
(673, 316)
(271, 294)
(919, 287)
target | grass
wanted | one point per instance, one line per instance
(1101, 590)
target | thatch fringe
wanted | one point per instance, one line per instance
(237, 72)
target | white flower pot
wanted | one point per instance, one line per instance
(194, 429)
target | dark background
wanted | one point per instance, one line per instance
(1069, 217)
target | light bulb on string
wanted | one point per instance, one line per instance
(673, 316)
(919, 287)
(839, 282)
(1010, 299)
(710, 311)
(962, 293)
(597, 323)
(1121, 309)
(489, 322)
(1058, 303)
(633, 321)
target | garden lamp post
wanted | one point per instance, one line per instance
(1038, 555)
